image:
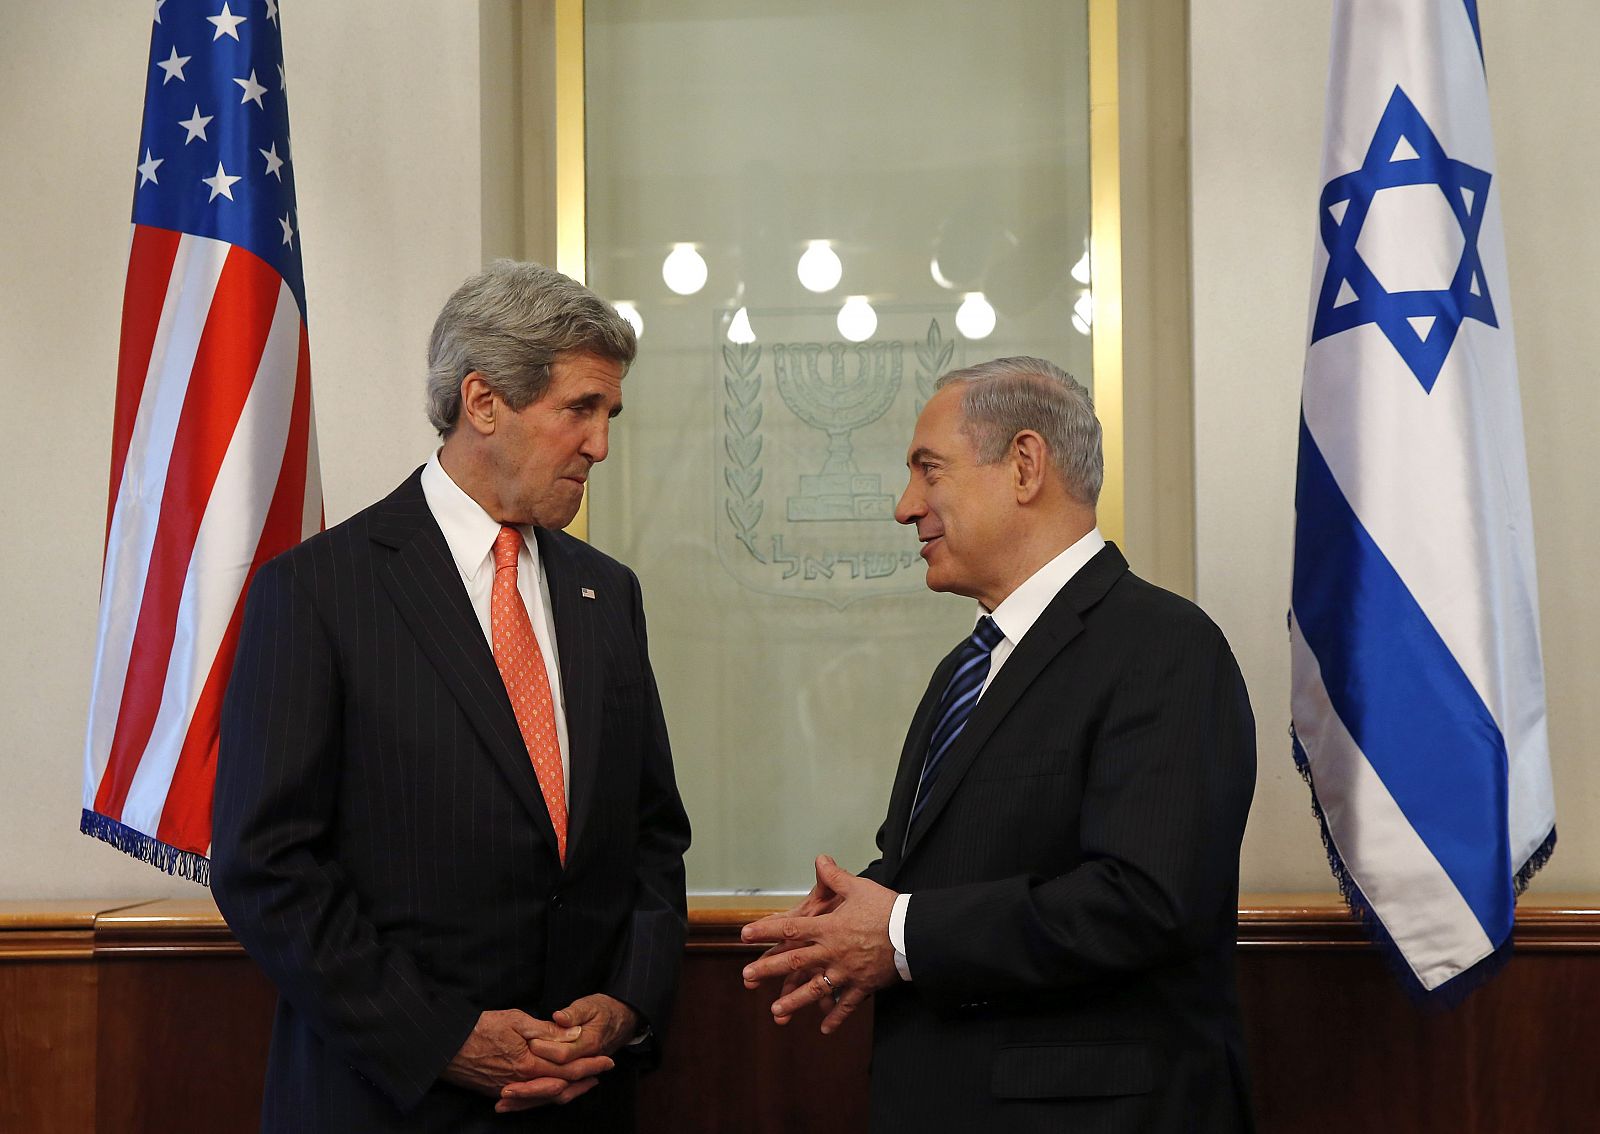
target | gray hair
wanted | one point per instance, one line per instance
(509, 322)
(1000, 399)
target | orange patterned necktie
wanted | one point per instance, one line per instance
(521, 662)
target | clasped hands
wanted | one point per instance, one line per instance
(831, 950)
(527, 1062)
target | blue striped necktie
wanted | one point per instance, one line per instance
(960, 695)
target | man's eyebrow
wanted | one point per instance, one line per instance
(595, 398)
(920, 454)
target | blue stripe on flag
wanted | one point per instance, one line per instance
(1477, 32)
(1401, 694)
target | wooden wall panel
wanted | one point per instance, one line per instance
(730, 1070)
(183, 1044)
(47, 1046)
(1336, 1046)
(152, 1019)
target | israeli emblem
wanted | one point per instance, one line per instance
(811, 441)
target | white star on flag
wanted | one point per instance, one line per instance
(196, 126)
(288, 230)
(252, 90)
(159, 4)
(226, 23)
(173, 66)
(272, 12)
(147, 169)
(221, 184)
(282, 81)
(274, 162)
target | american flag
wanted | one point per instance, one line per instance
(213, 451)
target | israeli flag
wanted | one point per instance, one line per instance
(1418, 689)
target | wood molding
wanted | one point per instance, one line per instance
(82, 930)
(174, 927)
(1545, 922)
(52, 930)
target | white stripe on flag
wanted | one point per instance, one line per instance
(1419, 905)
(224, 548)
(134, 520)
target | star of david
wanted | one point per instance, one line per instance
(1421, 325)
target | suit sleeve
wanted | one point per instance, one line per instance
(1168, 785)
(646, 973)
(273, 874)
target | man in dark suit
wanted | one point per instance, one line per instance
(446, 823)
(1048, 934)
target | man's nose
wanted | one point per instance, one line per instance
(910, 506)
(598, 443)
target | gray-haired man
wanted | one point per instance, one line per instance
(446, 821)
(1048, 932)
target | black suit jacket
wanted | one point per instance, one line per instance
(381, 846)
(1075, 881)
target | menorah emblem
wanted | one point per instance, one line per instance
(833, 399)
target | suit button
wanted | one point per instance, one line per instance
(555, 900)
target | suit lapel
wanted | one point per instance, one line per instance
(1060, 623)
(582, 657)
(912, 756)
(423, 582)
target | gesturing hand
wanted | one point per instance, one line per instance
(499, 1053)
(832, 947)
(591, 1027)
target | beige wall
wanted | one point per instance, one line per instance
(385, 102)
(384, 107)
(1258, 70)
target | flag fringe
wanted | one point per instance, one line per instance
(163, 856)
(1452, 992)
(1536, 861)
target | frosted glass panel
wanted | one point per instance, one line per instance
(814, 210)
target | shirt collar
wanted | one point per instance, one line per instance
(469, 531)
(1022, 607)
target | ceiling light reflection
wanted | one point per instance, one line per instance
(819, 268)
(1080, 270)
(684, 269)
(740, 332)
(630, 312)
(1083, 314)
(975, 317)
(857, 320)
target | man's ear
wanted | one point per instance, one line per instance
(477, 404)
(1030, 464)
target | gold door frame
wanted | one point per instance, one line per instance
(1105, 222)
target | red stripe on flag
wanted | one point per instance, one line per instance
(186, 814)
(225, 365)
(143, 296)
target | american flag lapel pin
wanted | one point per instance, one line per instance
(586, 592)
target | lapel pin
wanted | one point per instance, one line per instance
(587, 592)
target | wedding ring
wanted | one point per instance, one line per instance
(829, 983)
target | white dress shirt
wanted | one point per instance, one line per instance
(1015, 616)
(470, 532)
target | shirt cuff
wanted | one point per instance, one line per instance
(897, 935)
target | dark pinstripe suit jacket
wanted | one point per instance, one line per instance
(381, 846)
(1075, 882)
